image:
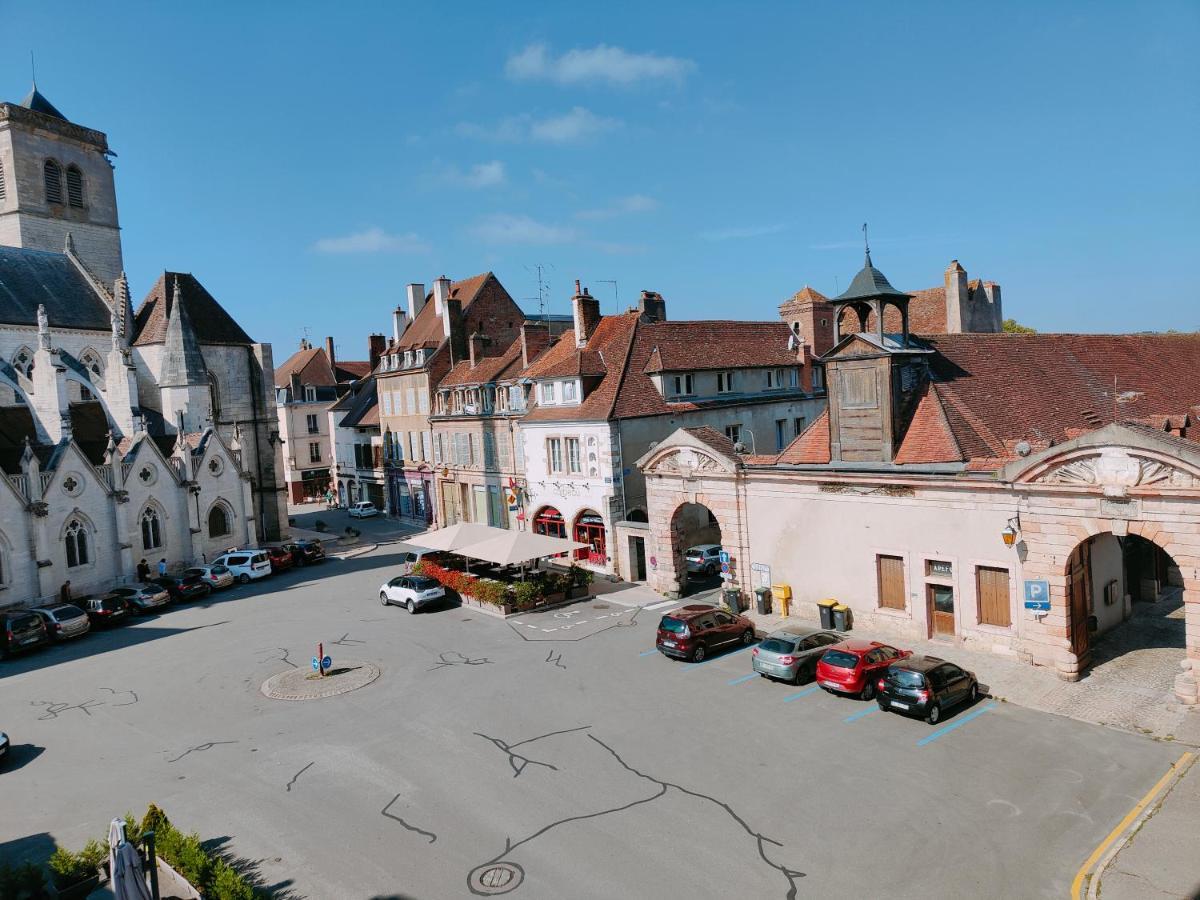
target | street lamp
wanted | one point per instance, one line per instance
(1009, 534)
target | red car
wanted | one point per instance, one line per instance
(280, 559)
(694, 632)
(853, 667)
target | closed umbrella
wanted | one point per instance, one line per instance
(125, 865)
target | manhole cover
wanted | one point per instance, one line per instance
(600, 606)
(495, 878)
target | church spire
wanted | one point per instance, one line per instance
(183, 364)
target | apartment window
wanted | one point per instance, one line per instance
(52, 176)
(724, 382)
(890, 570)
(519, 454)
(774, 379)
(781, 433)
(547, 393)
(426, 445)
(793, 378)
(801, 424)
(75, 187)
(516, 397)
(423, 404)
(818, 378)
(991, 586)
(472, 458)
(314, 452)
(313, 427)
(573, 455)
(1, 181)
(310, 394)
(568, 392)
(554, 454)
(387, 403)
(734, 433)
(489, 450)
(410, 401)
(414, 446)
(683, 384)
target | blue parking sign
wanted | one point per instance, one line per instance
(1037, 595)
(725, 556)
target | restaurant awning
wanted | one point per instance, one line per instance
(512, 547)
(455, 537)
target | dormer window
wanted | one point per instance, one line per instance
(683, 385)
(724, 382)
(548, 396)
(568, 393)
(775, 379)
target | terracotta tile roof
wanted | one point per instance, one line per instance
(426, 329)
(311, 365)
(611, 344)
(352, 370)
(929, 437)
(691, 346)
(811, 447)
(210, 322)
(486, 370)
(714, 439)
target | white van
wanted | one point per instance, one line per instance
(245, 565)
(364, 509)
(414, 555)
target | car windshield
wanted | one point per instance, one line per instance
(840, 659)
(66, 613)
(777, 645)
(112, 604)
(219, 570)
(20, 623)
(905, 678)
(673, 625)
(423, 584)
(695, 554)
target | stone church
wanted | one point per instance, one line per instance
(123, 434)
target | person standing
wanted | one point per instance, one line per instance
(64, 593)
(162, 568)
(143, 571)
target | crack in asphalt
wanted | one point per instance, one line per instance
(55, 709)
(114, 692)
(199, 748)
(525, 761)
(298, 774)
(384, 812)
(461, 661)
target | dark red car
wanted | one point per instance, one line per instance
(281, 559)
(853, 667)
(693, 632)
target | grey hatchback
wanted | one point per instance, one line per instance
(791, 654)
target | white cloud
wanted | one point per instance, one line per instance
(735, 234)
(503, 228)
(577, 125)
(634, 203)
(372, 240)
(601, 64)
(480, 175)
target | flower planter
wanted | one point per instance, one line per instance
(172, 884)
(80, 889)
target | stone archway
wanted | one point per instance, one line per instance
(694, 527)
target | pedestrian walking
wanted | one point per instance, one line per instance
(64, 592)
(162, 568)
(143, 571)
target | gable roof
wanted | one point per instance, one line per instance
(32, 277)
(312, 365)
(426, 331)
(351, 370)
(606, 356)
(811, 446)
(929, 437)
(362, 406)
(702, 345)
(210, 322)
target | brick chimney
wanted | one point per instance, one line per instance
(587, 315)
(329, 352)
(441, 293)
(475, 347)
(652, 306)
(455, 330)
(376, 343)
(416, 300)
(535, 338)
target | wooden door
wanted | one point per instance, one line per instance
(941, 610)
(1078, 593)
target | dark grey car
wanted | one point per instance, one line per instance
(791, 654)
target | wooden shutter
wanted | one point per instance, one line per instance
(992, 587)
(891, 582)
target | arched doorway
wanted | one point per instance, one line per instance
(696, 545)
(589, 529)
(549, 521)
(1125, 596)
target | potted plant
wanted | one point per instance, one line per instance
(75, 875)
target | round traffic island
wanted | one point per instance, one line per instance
(303, 684)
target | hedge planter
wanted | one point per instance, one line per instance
(80, 889)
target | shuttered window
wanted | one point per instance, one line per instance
(53, 179)
(891, 581)
(75, 187)
(992, 586)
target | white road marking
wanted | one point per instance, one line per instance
(661, 605)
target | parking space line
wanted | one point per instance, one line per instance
(958, 723)
(647, 652)
(803, 693)
(693, 666)
(743, 678)
(874, 708)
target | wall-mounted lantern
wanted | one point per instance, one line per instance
(1009, 534)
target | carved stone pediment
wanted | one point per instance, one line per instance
(686, 462)
(1116, 471)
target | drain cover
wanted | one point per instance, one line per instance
(599, 606)
(495, 878)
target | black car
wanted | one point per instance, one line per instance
(184, 587)
(925, 686)
(21, 631)
(106, 610)
(304, 552)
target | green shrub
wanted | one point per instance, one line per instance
(94, 854)
(67, 868)
(227, 884)
(526, 594)
(212, 876)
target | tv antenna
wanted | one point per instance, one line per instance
(616, 295)
(543, 289)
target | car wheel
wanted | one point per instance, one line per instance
(868, 691)
(748, 637)
(243, 578)
(383, 598)
(699, 653)
(934, 715)
(412, 607)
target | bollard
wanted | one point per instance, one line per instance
(321, 658)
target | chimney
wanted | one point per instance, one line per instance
(475, 347)
(652, 306)
(957, 295)
(329, 352)
(376, 344)
(587, 315)
(297, 394)
(441, 293)
(399, 323)
(535, 338)
(416, 300)
(455, 329)
(996, 313)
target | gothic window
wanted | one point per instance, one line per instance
(76, 539)
(75, 186)
(90, 360)
(215, 396)
(151, 530)
(23, 362)
(218, 521)
(53, 178)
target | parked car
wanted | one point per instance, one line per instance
(703, 559)
(21, 631)
(411, 592)
(143, 598)
(692, 632)
(107, 610)
(280, 559)
(925, 686)
(364, 509)
(217, 577)
(853, 667)
(185, 586)
(64, 621)
(4, 744)
(415, 554)
(791, 654)
(245, 565)
(305, 551)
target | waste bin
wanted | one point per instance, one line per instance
(826, 607)
(782, 593)
(841, 618)
(730, 597)
(763, 596)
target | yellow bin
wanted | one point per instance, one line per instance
(783, 593)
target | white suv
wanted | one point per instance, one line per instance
(364, 509)
(245, 565)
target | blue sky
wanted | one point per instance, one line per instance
(308, 160)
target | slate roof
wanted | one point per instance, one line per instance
(32, 277)
(362, 407)
(211, 323)
(37, 101)
(869, 282)
(426, 330)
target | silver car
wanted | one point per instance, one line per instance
(142, 598)
(791, 654)
(216, 577)
(704, 559)
(65, 621)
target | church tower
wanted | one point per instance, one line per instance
(56, 179)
